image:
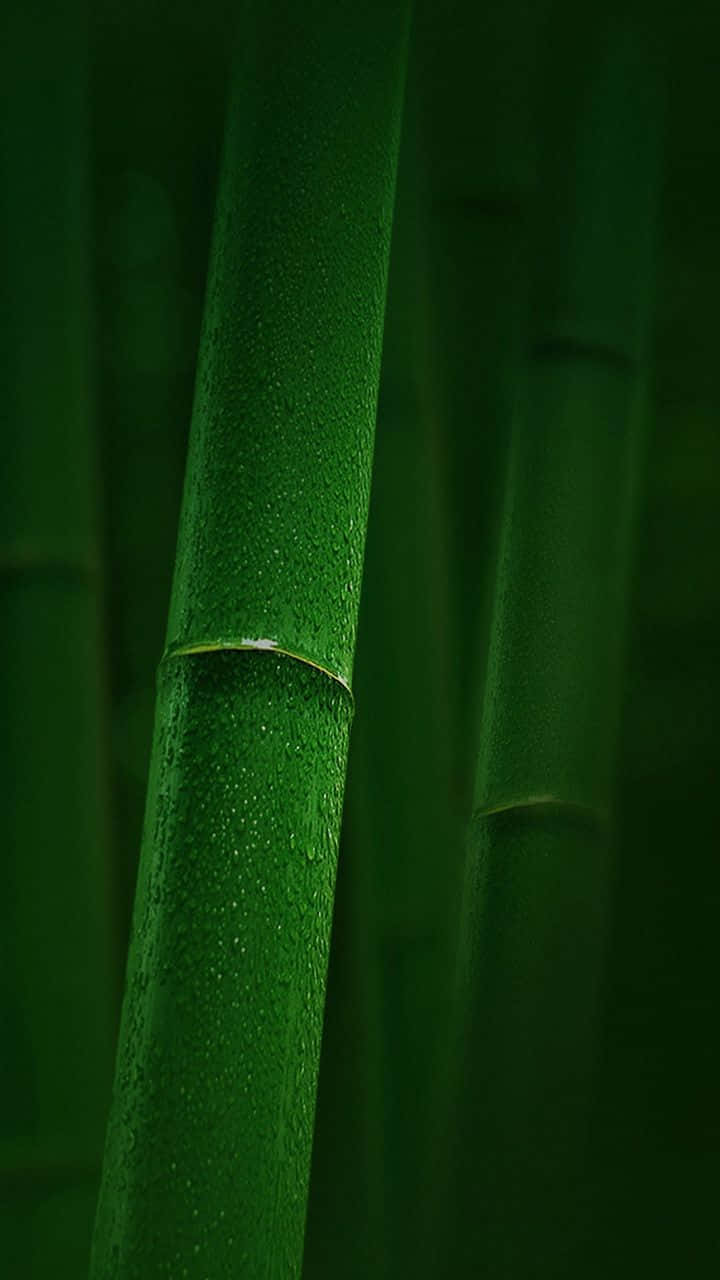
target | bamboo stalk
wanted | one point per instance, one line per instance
(142, 388)
(539, 852)
(658, 1127)
(157, 140)
(391, 956)
(57, 991)
(209, 1140)
(477, 81)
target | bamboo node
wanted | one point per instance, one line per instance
(575, 808)
(262, 644)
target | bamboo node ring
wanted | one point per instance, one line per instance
(263, 644)
(572, 807)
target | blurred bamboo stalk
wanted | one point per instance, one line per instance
(657, 1131)
(534, 925)
(477, 69)
(209, 1143)
(156, 149)
(390, 957)
(144, 439)
(57, 989)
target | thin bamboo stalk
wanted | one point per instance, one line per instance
(209, 1141)
(57, 991)
(539, 852)
(658, 1125)
(142, 387)
(156, 153)
(477, 81)
(390, 961)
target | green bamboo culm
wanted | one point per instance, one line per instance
(58, 1006)
(658, 1127)
(478, 82)
(390, 957)
(401, 826)
(539, 862)
(477, 79)
(157, 141)
(209, 1141)
(142, 436)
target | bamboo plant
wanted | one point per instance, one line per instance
(390, 956)
(142, 437)
(534, 921)
(57, 990)
(209, 1141)
(155, 160)
(658, 1123)
(477, 66)
(477, 78)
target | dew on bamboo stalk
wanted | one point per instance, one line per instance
(256, 1022)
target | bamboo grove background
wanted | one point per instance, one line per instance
(519, 1060)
